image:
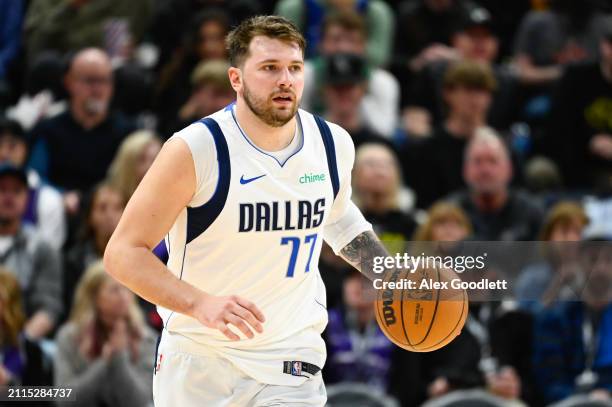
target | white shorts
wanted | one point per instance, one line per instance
(186, 379)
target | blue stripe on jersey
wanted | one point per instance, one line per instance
(330, 150)
(200, 218)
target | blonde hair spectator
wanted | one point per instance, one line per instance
(105, 350)
(133, 159)
(445, 222)
(12, 318)
(565, 219)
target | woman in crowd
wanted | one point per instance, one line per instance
(377, 190)
(132, 161)
(101, 216)
(135, 156)
(204, 41)
(555, 277)
(492, 351)
(105, 350)
(12, 319)
(445, 222)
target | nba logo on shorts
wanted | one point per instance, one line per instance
(296, 368)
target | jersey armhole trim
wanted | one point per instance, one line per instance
(201, 217)
(330, 151)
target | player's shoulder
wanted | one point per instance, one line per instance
(342, 138)
(199, 127)
(199, 134)
(343, 142)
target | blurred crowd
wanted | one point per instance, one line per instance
(481, 120)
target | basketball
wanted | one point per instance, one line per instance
(425, 317)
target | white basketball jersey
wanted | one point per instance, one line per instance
(254, 229)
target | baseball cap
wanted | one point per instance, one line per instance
(476, 17)
(345, 69)
(9, 169)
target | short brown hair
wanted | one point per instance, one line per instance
(563, 213)
(440, 212)
(211, 72)
(470, 75)
(239, 39)
(348, 20)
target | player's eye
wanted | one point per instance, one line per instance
(269, 67)
(296, 68)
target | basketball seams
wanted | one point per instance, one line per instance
(435, 311)
(406, 343)
(464, 302)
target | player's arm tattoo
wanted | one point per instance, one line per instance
(362, 250)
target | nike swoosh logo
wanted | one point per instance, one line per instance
(247, 180)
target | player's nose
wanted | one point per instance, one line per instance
(285, 78)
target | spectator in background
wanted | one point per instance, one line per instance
(474, 39)
(35, 264)
(357, 349)
(507, 16)
(211, 91)
(377, 190)
(104, 351)
(548, 40)
(204, 40)
(22, 361)
(345, 86)
(309, 16)
(68, 25)
(74, 149)
(468, 91)
(135, 156)
(495, 211)
(573, 339)
(542, 283)
(12, 320)
(424, 32)
(492, 350)
(346, 33)
(100, 218)
(45, 209)
(579, 131)
(492, 353)
(167, 30)
(445, 222)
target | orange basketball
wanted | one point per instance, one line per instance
(425, 317)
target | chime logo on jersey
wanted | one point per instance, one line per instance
(288, 215)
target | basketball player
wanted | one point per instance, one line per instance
(244, 198)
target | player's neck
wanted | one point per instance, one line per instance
(264, 136)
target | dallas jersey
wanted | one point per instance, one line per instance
(254, 228)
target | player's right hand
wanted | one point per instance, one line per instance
(218, 312)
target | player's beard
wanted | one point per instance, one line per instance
(265, 110)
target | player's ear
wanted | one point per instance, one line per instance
(235, 77)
